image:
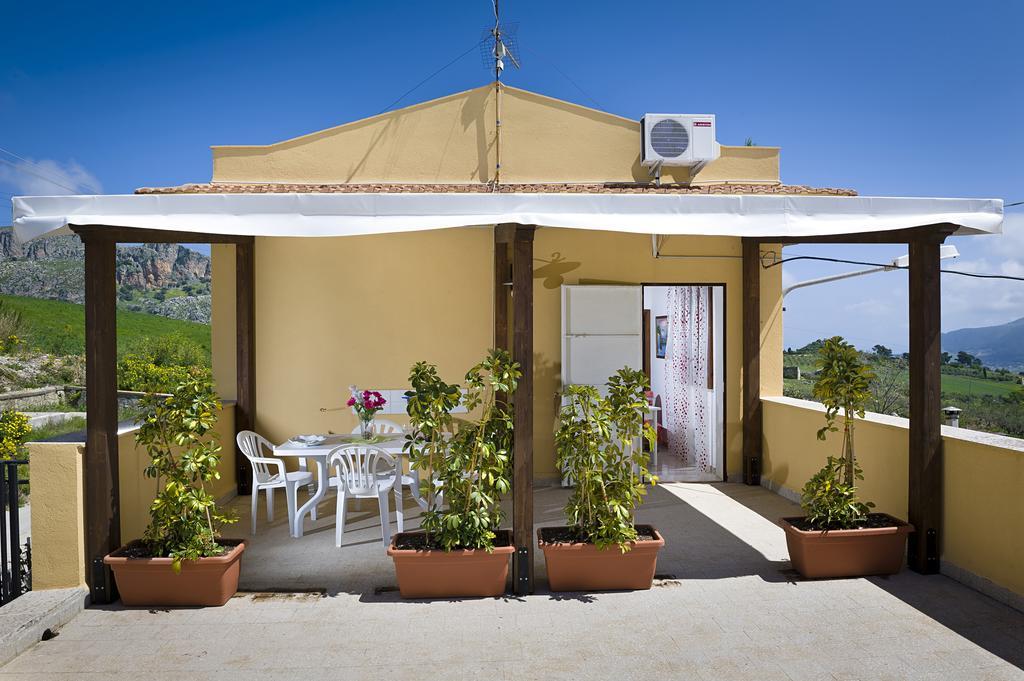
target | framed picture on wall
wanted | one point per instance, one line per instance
(660, 336)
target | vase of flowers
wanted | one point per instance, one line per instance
(365, 404)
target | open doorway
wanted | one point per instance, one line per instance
(683, 345)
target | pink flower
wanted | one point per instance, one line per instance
(351, 401)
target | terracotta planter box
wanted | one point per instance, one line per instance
(454, 574)
(583, 567)
(153, 582)
(847, 553)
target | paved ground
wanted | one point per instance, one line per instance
(728, 608)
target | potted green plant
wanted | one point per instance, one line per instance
(465, 466)
(599, 447)
(840, 536)
(181, 560)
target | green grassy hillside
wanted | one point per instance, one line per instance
(58, 327)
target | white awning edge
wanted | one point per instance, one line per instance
(341, 214)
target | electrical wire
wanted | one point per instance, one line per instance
(887, 266)
(1015, 203)
(564, 75)
(23, 169)
(417, 86)
(38, 173)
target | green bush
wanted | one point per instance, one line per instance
(136, 373)
(171, 349)
(597, 448)
(829, 502)
(14, 431)
(474, 463)
(159, 363)
(183, 449)
(843, 386)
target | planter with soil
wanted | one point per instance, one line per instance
(578, 566)
(146, 581)
(877, 548)
(429, 572)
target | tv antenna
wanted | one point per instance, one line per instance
(497, 45)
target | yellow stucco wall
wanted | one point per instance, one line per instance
(138, 491)
(451, 139)
(330, 312)
(983, 475)
(58, 519)
(361, 310)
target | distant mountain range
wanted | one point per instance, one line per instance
(164, 279)
(996, 346)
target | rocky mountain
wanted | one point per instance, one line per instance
(147, 266)
(997, 346)
(146, 274)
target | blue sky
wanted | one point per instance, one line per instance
(889, 98)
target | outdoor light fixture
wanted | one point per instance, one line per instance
(946, 252)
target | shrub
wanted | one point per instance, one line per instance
(597, 448)
(158, 364)
(844, 385)
(14, 431)
(473, 464)
(135, 373)
(173, 349)
(12, 329)
(183, 449)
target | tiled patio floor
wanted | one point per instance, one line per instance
(728, 608)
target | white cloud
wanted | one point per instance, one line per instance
(47, 177)
(968, 301)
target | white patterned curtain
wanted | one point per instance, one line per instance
(686, 376)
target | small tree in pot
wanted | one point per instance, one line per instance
(843, 385)
(466, 464)
(599, 445)
(861, 542)
(180, 560)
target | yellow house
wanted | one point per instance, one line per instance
(343, 256)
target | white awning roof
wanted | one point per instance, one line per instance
(341, 214)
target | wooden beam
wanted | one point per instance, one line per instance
(891, 236)
(502, 276)
(102, 491)
(245, 355)
(505, 233)
(156, 236)
(924, 497)
(522, 352)
(753, 427)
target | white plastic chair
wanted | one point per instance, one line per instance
(365, 472)
(268, 473)
(410, 479)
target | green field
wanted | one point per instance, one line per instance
(968, 385)
(58, 327)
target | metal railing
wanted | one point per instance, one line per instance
(15, 556)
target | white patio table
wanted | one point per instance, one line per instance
(318, 455)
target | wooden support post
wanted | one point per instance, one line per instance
(924, 497)
(752, 415)
(245, 337)
(522, 352)
(102, 491)
(503, 236)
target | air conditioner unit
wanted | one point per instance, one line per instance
(678, 140)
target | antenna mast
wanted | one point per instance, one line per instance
(498, 66)
(501, 43)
